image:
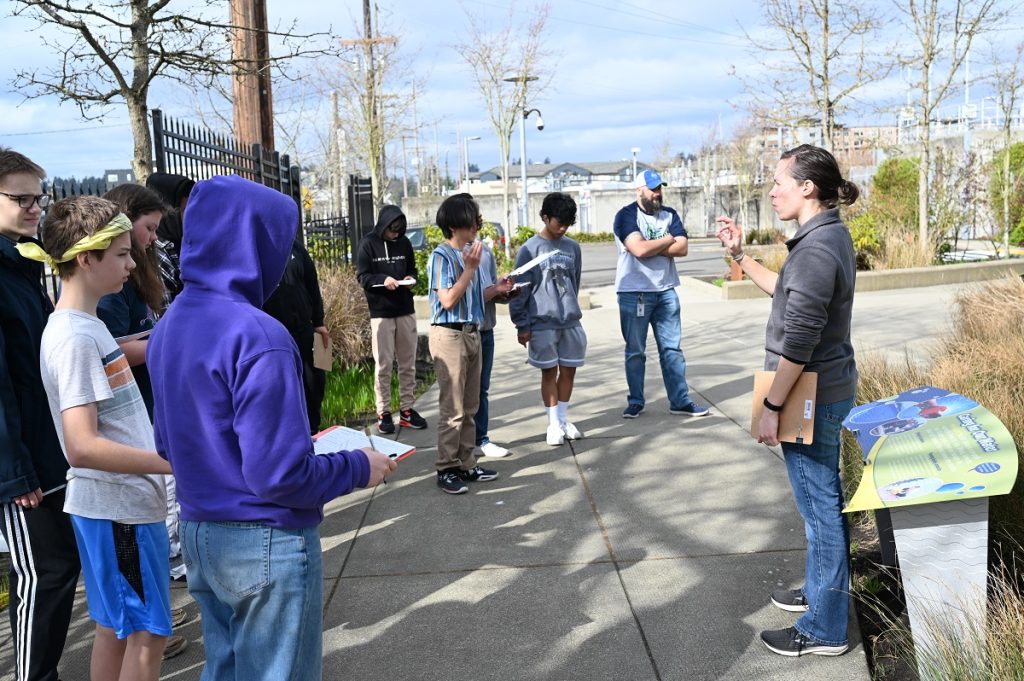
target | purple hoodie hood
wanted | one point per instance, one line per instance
(238, 248)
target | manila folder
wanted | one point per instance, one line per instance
(796, 420)
(322, 353)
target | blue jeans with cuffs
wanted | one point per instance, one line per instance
(814, 476)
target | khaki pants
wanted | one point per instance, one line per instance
(457, 362)
(394, 338)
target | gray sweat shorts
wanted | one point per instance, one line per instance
(557, 347)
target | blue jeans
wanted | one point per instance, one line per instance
(260, 592)
(814, 476)
(661, 312)
(487, 359)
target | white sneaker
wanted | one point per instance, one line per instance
(555, 435)
(571, 431)
(494, 451)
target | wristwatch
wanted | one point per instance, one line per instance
(772, 407)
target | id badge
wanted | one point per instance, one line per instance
(640, 306)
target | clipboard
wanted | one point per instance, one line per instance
(336, 438)
(322, 356)
(796, 420)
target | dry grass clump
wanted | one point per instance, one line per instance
(345, 313)
(900, 251)
(773, 257)
(986, 649)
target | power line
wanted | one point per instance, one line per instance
(619, 29)
(54, 132)
(662, 18)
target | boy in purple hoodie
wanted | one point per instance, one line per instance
(230, 416)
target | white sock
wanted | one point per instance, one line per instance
(563, 412)
(552, 416)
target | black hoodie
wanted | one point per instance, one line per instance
(30, 453)
(377, 259)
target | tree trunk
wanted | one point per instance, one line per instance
(138, 117)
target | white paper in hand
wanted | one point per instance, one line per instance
(527, 266)
(408, 281)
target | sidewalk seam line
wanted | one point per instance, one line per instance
(348, 554)
(615, 562)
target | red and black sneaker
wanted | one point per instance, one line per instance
(408, 418)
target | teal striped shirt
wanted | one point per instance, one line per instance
(443, 270)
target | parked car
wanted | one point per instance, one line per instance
(417, 236)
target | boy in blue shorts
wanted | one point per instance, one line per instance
(547, 314)
(115, 492)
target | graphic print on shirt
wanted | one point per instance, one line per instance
(653, 227)
(560, 271)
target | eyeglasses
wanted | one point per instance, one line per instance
(26, 200)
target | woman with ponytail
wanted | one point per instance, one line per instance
(809, 330)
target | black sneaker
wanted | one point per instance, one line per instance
(385, 424)
(792, 643)
(450, 481)
(790, 600)
(689, 409)
(478, 474)
(408, 418)
(632, 411)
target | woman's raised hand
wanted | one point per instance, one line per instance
(730, 234)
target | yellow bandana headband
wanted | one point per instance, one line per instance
(97, 241)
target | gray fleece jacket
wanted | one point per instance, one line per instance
(813, 305)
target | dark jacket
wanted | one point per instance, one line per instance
(296, 302)
(172, 189)
(813, 305)
(30, 453)
(377, 259)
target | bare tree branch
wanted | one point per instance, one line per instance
(514, 50)
(120, 48)
(942, 38)
(822, 44)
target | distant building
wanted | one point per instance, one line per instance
(119, 176)
(555, 176)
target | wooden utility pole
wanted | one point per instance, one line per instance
(254, 110)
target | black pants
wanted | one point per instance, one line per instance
(44, 573)
(313, 380)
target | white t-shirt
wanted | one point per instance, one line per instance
(81, 364)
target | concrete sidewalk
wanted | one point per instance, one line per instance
(646, 550)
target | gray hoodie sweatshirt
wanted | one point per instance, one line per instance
(813, 304)
(549, 302)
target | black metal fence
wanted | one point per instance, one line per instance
(185, 149)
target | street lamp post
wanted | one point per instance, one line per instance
(635, 150)
(524, 205)
(465, 158)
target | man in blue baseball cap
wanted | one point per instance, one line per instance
(649, 237)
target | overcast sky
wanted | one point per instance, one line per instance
(630, 74)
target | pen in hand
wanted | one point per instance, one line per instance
(366, 431)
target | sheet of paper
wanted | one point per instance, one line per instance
(141, 335)
(323, 357)
(408, 281)
(527, 266)
(337, 438)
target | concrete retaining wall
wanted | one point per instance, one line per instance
(914, 277)
(423, 305)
